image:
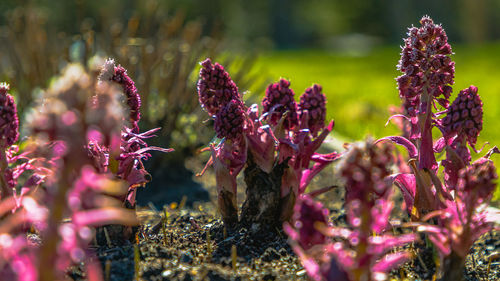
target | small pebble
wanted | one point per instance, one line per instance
(166, 273)
(301, 273)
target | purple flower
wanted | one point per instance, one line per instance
(478, 181)
(426, 65)
(464, 219)
(364, 169)
(462, 125)
(428, 74)
(278, 154)
(133, 98)
(308, 215)
(118, 74)
(278, 100)
(9, 122)
(363, 255)
(464, 117)
(230, 121)
(215, 87)
(313, 104)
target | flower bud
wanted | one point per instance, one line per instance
(465, 116)
(364, 169)
(9, 122)
(215, 87)
(307, 215)
(479, 178)
(425, 59)
(278, 100)
(230, 121)
(118, 74)
(314, 101)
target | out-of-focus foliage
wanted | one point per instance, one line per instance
(159, 42)
(285, 23)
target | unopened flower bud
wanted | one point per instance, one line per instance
(314, 101)
(465, 115)
(480, 178)
(278, 100)
(215, 87)
(307, 217)
(230, 121)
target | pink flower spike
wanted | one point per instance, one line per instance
(278, 100)
(9, 122)
(215, 87)
(313, 102)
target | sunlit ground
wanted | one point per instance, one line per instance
(360, 88)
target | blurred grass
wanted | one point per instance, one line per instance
(359, 89)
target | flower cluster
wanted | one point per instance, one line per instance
(308, 216)
(9, 122)
(118, 74)
(312, 107)
(215, 87)
(428, 73)
(426, 53)
(464, 117)
(230, 121)
(12, 163)
(459, 214)
(128, 149)
(87, 162)
(366, 250)
(279, 100)
(364, 175)
(277, 148)
(427, 67)
(464, 219)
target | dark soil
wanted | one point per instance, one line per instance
(192, 244)
(181, 251)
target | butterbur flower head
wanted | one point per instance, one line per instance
(314, 102)
(278, 101)
(118, 74)
(425, 63)
(215, 87)
(465, 116)
(60, 115)
(479, 178)
(364, 169)
(9, 122)
(230, 121)
(133, 98)
(307, 217)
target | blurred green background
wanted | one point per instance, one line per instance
(350, 47)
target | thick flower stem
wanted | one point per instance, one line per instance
(226, 201)
(4, 185)
(48, 251)
(453, 268)
(262, 204)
